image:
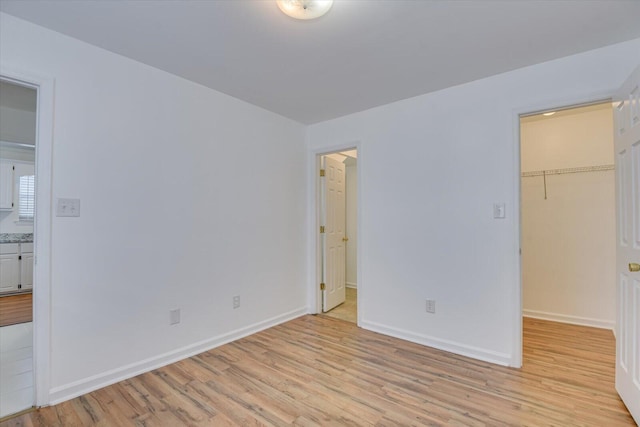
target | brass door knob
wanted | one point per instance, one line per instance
(634, 266)
(345, 239)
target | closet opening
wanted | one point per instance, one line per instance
(568, 223)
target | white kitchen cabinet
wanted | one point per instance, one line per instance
(26, 266)
(16, 267)
(9, 267)
(6, 186)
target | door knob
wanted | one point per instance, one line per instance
(345, 239)
(634, 266)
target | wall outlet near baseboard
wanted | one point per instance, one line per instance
(431, 306)
(174, 316)
(236, 301)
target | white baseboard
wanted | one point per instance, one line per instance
(574, 320)
(351, 285)
(485, 355)
(87, 385)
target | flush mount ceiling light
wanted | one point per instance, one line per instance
(304, 9)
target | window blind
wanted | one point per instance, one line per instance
(26, 198)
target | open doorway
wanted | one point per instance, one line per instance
(568, 216)
(18, 130)
(609, 209)
(337, 216)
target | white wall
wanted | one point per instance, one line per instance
(351, 193)
(574, 138)
(9, 219)
(431, 168)
(167, 220)
(568, 240)
(17, 125)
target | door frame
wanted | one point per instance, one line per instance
(41, 293)
(314, 300)
(549, 105)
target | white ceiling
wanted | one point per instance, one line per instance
(360, 55)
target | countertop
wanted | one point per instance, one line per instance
(16, 237)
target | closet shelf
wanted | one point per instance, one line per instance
(600, 168)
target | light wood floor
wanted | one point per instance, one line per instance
(348, 310)
(320, 371)
(15, 309)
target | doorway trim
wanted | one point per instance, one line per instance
(41, 293)
(517, 113)
(314, 301)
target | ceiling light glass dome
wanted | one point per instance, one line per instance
(305, 9)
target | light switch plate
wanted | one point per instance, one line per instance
(499, 210)
(431, 306)
(68, 207)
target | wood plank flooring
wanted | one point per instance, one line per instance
(320, 371)
(16, 309)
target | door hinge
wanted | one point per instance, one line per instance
(19, 286)
(321, 172)
(322, 229)
(322, 286)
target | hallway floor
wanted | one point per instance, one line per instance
(16, 368)
(349, 309)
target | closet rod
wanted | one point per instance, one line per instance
(600, 168)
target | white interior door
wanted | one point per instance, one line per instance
(334, 234)
(627, 146)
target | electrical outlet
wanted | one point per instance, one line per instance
(236, 301)
(174, 316)
(431, 306)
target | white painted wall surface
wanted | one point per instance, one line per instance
(166, 219)
(351, 194)
(568, 240)
(431, 168)
(568, 140)
(17, 125)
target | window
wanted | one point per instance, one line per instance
(26, 198)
